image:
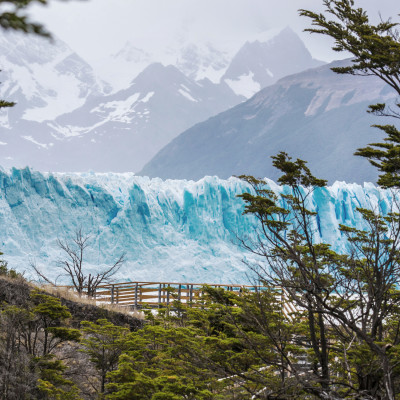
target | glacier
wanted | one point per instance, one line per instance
(172, 230)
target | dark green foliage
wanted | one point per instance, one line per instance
(375, 48)
(160, 364)
(350, 302)
(29, 336)
(385, 156)
(5, 104)
(15, 18)
(104, 342)
(376, 52)
(52, 385)
(295, 173)
(49, 316)
(230, 348)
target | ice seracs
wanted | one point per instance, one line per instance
(171, 230)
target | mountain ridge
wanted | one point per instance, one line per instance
(78, 125)
(315, 115)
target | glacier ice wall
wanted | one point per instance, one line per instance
(170, 230)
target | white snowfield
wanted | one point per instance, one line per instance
(173, 230)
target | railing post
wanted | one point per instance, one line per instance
(159, 296)
(136, 295)
(179, 292)
(191, 295)
(117, 290)
(112, 294)
(168, 296)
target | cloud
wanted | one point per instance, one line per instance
(95, 28)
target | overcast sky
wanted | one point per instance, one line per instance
(95, 28)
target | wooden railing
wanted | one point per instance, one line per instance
(158, 294)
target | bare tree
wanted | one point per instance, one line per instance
(73, 265)
(74, 268)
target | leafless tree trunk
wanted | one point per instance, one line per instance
(73, 266)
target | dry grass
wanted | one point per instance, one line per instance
(69, 294)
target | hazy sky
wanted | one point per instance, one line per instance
(95, 28)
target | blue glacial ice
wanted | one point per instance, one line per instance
(171, 230)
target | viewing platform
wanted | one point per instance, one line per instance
(140, 295)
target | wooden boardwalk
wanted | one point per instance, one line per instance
(139, 295)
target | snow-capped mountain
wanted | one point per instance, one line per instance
(124, 65)
(46, 79)
(119, 132)
(202, 61)
(66, 119)
(315, 115)
(123, 131)
(197, 61)
(252, 66)
(169, 230)
(261, 64)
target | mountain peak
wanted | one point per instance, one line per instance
(288, 31)
(308, 115)
(259, 64)
(158, 71)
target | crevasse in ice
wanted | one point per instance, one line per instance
(170, 230)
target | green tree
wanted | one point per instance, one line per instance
(52, 385)
(157, 364)
(5, 271)
(41, 327)
(49, 329)
(376, 52)
(17, 377)
(234, 346)
(29, 339)
(104, 342)
(5, 104)
(350, 301)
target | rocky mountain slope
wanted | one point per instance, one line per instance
(261, 64)
(315, 115)
(123, 131)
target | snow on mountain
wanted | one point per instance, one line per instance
(45, 79)
(66, 119)
(169, 230)
(315, 115)
(122, 131)
(202, 61)
(245, 68)
(124, 65)
(197, 61)
(260, 64)
(119, 132)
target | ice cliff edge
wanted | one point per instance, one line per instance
(173, 230)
